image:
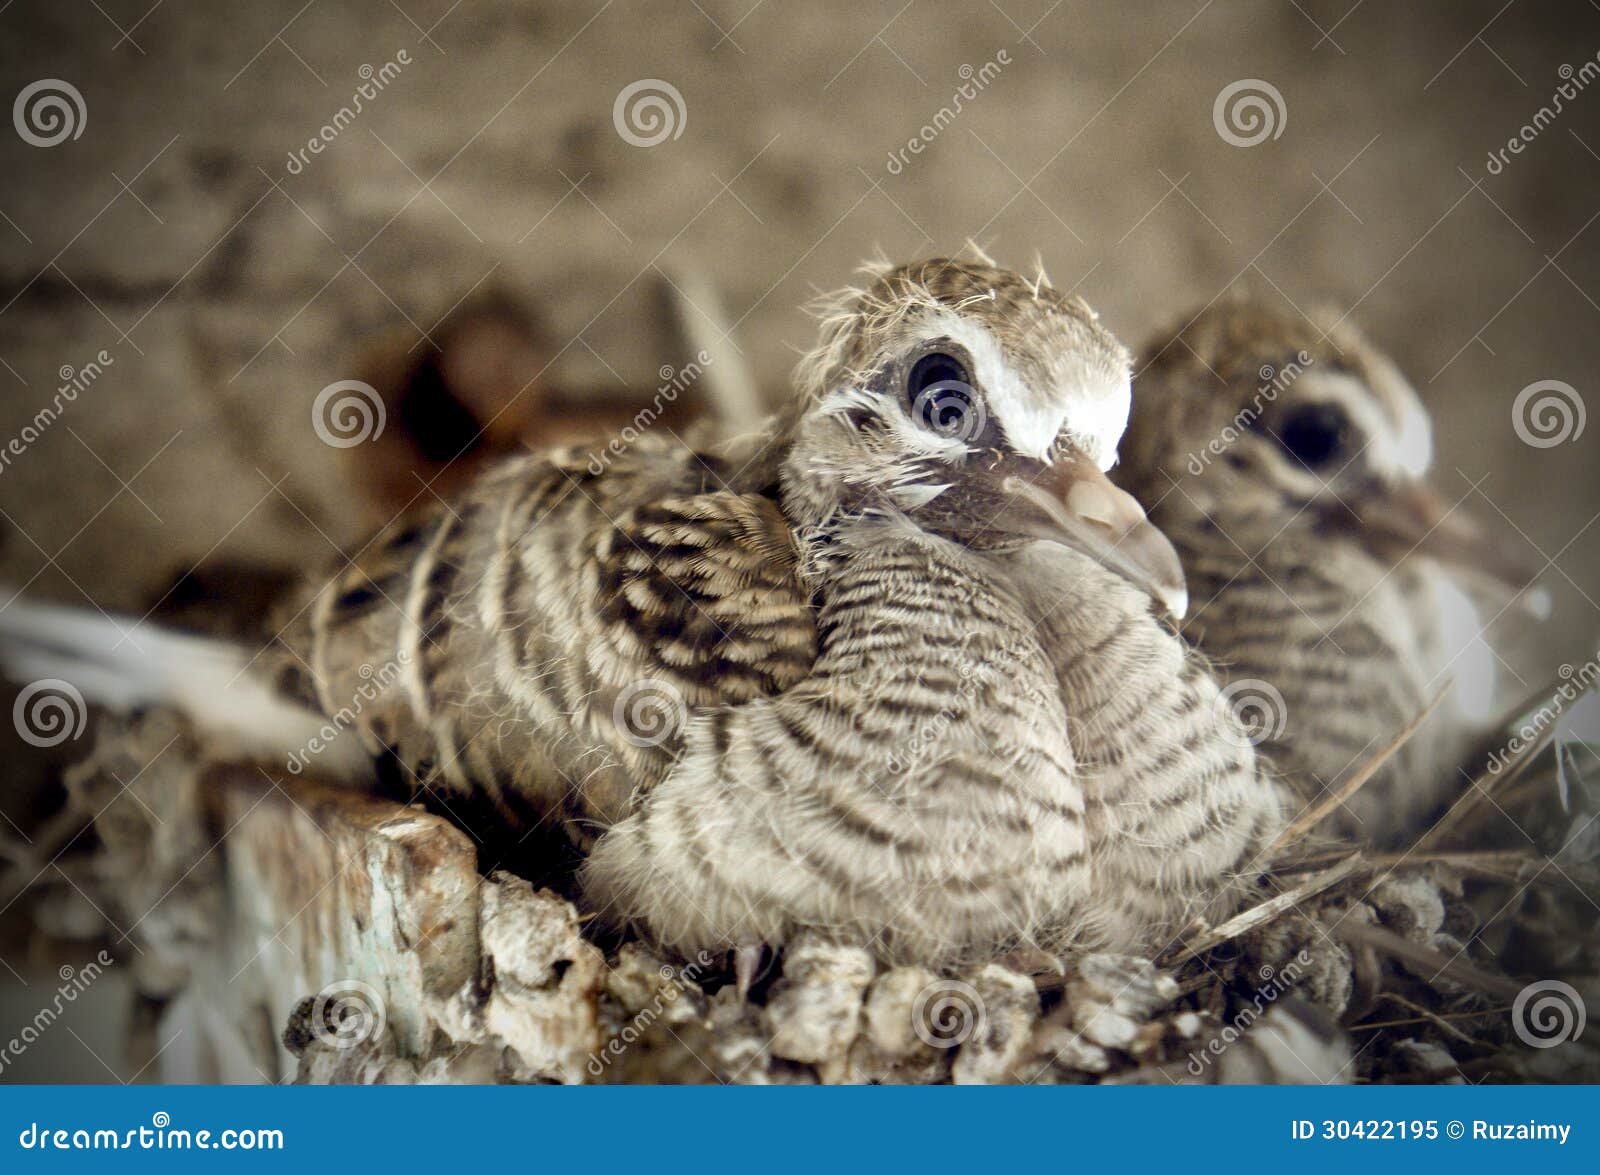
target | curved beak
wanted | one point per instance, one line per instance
(1412, 517)
(1077, 506)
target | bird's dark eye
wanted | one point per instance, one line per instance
(1315, 434)
(940, 394)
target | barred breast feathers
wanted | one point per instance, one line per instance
(915, 792)
(1343, 641)
(1179, 809)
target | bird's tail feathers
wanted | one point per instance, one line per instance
(122, 664)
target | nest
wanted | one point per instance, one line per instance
(313, 934)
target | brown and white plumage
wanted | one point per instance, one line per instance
(553, 626)
(1286, 459)
(837, 682)
(894, 670)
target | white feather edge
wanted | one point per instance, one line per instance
(122, 664)
(1033, 422)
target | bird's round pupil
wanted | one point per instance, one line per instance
(1315, 434)
(938, 390)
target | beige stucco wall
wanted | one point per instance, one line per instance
(228, 291)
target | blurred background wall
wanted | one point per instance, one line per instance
(229, 282)
(178, 256)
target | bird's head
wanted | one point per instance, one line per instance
(979, 407)
(1256, 409)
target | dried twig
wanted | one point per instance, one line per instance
(1266, 911)
(1500, 864)
(1465, 974)
(1510, 770)
(1441, 1022)
(1314, 815)
(1439, 1019)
